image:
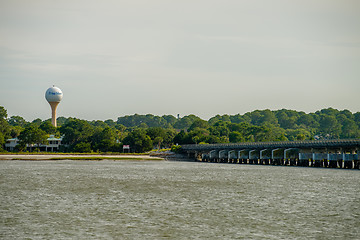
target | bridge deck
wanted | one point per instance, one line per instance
(340, 143)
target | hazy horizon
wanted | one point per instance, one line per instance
(116, 58)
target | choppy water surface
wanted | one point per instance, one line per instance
(176, 200)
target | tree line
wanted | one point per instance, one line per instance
(146, 132)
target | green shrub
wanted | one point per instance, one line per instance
(176, 148)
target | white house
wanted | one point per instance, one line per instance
(11, 144)
(52, 145)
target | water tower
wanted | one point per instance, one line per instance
(53, 95)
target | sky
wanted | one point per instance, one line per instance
(113, 58)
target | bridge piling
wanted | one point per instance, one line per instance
(254, 156)
(322, 153)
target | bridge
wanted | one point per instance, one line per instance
(341, 153)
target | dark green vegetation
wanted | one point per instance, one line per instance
(146, 132)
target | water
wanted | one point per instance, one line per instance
(176, 200)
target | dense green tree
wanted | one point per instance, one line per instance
(198, 135)
(4, 127)
(154, 132)
(220, 129)
(32, 135)
(199, 123)
(347, 114)
(357, 118)
(268, 117)
(239, 127)
(17, 121)
(47, 127)
(285, 120)
(103, 139)
(170, 119)
(140, 130)
(3, 113)
(38, 121)
(260, 117)
(110, 123)
(136, 120)
(138, 141)
(2, 141)
(307, 121)
(168, 139)
(121, 132)
(328, 111)
(240, 118)
(60, 121)
(120, 127)
(82, 147)
(98, 123)
(329, 126)
(15, 131)
(266, 133)
(183, 138)
(298, 134)
(236, 137)
(143, 125)
(219, 118)
(158, 141)
(349, 129)
(75, 131)
(157, 135)
(185, 122)
(154, 121)
(215, 139)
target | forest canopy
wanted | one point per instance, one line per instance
(146, 132)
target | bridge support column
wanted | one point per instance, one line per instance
(357, 161)
(243, 156)
(333, 159)
(204, 157)
(223, 156)
(319, 159)
(326, 158)
(291, 156)
(265, 156)
(348, 160)
(254, 156)
(286, 158)
(232, 156)
(213, 156)
(277, 156)
(339, 161)
(304, 159)
(192, 156)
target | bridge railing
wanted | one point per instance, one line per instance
(278, 144)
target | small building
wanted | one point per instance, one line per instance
(11, 144)
(53, 144)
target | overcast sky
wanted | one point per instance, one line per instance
(202, 57)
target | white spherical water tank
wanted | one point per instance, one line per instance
(53, 94)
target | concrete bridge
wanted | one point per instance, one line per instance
(343, 153)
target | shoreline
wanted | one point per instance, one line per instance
(56, 157)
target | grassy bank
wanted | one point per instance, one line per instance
(72, 153)
(104, 158)
(74, 156)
